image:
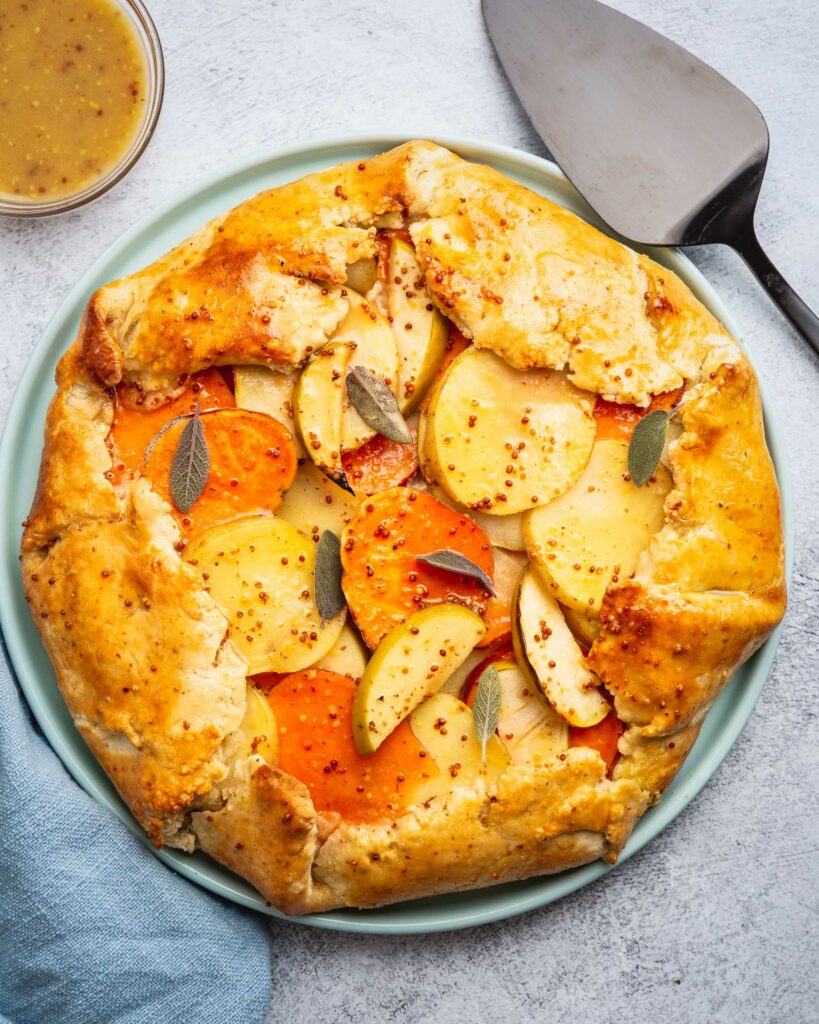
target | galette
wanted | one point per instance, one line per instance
(395, 533)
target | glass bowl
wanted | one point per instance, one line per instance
(148, 39)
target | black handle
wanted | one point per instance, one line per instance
(803, 319)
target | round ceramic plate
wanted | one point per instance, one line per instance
(20, 453)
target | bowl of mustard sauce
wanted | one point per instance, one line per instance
(81, 85)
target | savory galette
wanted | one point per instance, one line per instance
(396, 531)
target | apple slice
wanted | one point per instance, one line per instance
(421, 332)
(501, 440)
(597, 530)
(444, 726)
(259, 570)
(584, 629)
(556, 660)
(318, 401)
(257, 734)
(314, 503)
(262, 389)
(326, 420)
(348, 655)
(361, 275)
(409, 665)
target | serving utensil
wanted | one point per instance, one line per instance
(666, 150)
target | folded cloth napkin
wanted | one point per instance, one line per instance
(93, 928)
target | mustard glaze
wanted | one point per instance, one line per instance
(73, 85)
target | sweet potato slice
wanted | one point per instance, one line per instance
(380, 464)
(616, 421)
(138, 418)
(252, 463)
(602, 737)
(313, 710)
(383, 580)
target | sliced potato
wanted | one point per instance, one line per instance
(529, 728)
(257, 733)
(501, 440)
(421, 331)
(409, 665)
(444, 726)
(597, 530)
(556, 660)
(503, 531)
(262, 389)
(348, 655)
(259, 570)
(314, 503)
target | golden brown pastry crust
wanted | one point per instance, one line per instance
(139, 648)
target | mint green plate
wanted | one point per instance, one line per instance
(20, 450)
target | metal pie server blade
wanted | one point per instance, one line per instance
(665, 149)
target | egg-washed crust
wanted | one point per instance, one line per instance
(140, 650)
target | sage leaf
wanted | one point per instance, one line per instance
(646, 446)
(327, 574)
(190, 465)
(486, 708)
(454, 561)
(376, 405)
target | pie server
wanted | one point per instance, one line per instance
(665, 149)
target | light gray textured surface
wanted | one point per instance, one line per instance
(717, 919)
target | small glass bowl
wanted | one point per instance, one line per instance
(155, 86)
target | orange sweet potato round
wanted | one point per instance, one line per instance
(602, 737)
(252, 463)
(616, 421)
(313, 710)
(137, 419)
(380, 463)
(384, 582)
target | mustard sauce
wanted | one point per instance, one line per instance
(73, 86)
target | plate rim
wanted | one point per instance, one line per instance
(551, 887)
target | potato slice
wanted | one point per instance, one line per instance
(410, 664)
(262, 389)
(420, 330)
(259, 570)
(314, 503)
(556, 660)
(257, 734)
(444, 726)
(529, 728)
(348, 655)
(501, 440)
(597, 530)
(503, 531)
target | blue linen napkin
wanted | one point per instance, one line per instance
(93, 928)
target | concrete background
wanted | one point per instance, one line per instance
(717, 919)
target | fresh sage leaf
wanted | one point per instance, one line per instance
(190, 465)
(329, 595)
(454, 561)
(376, 405)
(486, 708)
(646, 446)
